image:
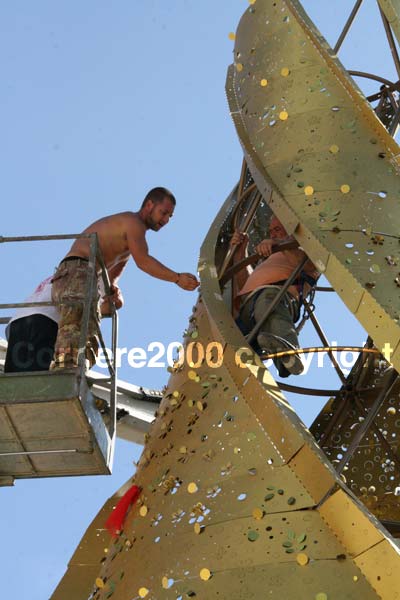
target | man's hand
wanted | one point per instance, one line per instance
(239, 238)
(187, 281)
(264, 248)
(115, 296)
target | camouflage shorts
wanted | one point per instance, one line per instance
(68, 293)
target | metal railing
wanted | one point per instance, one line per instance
(228, 271)
(95, 258)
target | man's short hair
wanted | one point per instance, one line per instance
(158, 194)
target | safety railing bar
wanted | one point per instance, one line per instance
(246, 192)
(114, 341)
(26, 304)
(104, 272)
(229, 253)
(106, 357)
(244, 226)
(317, 350)
(250, 337)
(324, 340)
(14, 430)
(391, 41)
(390, 85)
(250, 260)
(38, 238)
(34, 304)
(295, 389)
(377, 96)
(243, 196)
(365, 425)
(95, 255)
(28, 453)
(347, 26)
(113, 382)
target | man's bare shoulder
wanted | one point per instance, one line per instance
(122, 220)
(133, 224)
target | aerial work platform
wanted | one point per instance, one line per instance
(58, 427)
(50, 426)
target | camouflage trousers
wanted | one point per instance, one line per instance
(68, 293)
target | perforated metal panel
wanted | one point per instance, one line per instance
(237, 498)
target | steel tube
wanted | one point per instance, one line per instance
(113, 382)
(114, 341)
(38, 238)
(347, 26)
(324, 340)
(244, 226)
(36, 452)
(391, 41)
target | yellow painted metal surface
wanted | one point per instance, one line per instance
(383, 568)
(83, 567)
(391, 9)
(237, 500)
(373, 472)
(314, 138)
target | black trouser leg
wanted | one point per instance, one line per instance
(30, 344)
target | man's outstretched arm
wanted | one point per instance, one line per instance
(140, 253)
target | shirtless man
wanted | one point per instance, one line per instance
(258, 289)
(120, 236)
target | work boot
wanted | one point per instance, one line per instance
(286, 365)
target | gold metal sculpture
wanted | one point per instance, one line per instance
(237, 498)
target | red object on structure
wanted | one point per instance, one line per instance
(116, 519)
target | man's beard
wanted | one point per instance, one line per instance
(152, 224)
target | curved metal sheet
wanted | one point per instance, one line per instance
(237, 498)
(308, 131)
(391, 8)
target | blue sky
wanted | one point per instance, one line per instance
(100, 102)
